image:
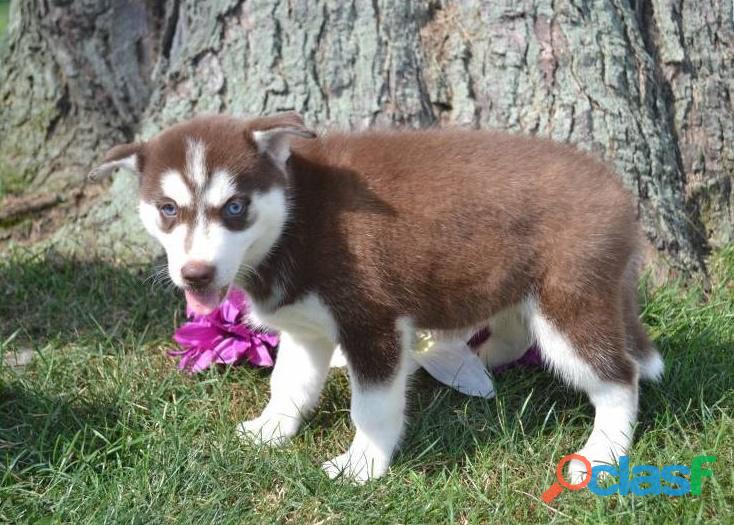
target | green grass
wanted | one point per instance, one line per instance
(101, 427)
(4, 12)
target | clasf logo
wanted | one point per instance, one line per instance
(640, 480)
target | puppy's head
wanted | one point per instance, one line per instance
(212, 192)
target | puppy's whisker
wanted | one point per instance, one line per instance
(159, 277)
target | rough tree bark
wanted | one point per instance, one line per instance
(646, 85)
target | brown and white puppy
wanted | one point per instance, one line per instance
(359, 240)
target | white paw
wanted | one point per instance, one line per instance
(577, 472)
(358, 468)
(274, 431)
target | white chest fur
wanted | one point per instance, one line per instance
(308, 317)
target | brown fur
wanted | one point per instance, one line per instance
(449, 227)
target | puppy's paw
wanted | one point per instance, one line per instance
(267, 430)
(577, 472)
(357, 468)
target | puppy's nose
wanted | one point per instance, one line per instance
(197, 274)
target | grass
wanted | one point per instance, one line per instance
(4, 13)
(101, 427)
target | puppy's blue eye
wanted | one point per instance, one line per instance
(169, 210)
(234, 208)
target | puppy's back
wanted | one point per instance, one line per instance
(503, 181)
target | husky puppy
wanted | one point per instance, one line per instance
(360, 239)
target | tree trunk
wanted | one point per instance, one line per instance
(644, 85)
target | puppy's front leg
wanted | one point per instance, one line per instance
(295, 386)
(378, 375)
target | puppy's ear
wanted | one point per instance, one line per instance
(272, 135)
(125, 156)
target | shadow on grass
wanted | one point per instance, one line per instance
(46, 304)
(42, 436)
(699, 380)
(44, 432)
(48, 298)
(56, 415)
(446, 427)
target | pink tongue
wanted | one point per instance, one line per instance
(203, 302)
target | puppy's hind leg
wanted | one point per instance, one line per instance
(583, 341)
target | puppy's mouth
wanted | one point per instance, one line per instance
(203, 301)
